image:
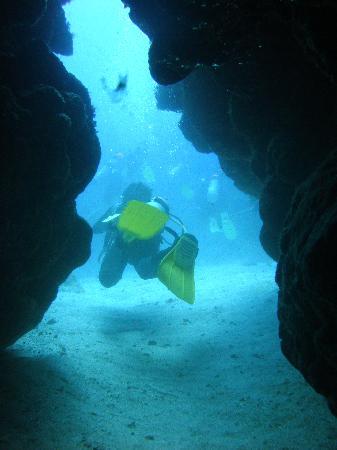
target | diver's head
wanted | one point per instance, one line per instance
(160, 203)
(136, 191)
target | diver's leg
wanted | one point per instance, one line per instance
(187, 250)
(112, 267)
(148, 267)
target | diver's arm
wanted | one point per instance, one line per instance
(106, 222)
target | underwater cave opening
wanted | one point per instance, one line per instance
(141, 143)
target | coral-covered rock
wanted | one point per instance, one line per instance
(40, 19)
(306, 274)
(16, 13)
(250, 90)
(53, 28)
(207, 122)
(50, 152)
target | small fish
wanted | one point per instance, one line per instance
(174, 170)
(119, 155)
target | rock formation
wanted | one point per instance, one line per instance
(306, 275)
(49, 154)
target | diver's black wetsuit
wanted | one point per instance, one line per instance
(145, 256)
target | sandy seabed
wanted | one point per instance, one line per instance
(132, 367)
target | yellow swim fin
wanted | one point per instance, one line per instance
(140, 220)
(176, 269)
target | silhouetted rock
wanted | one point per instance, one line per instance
(49, 154)
(53, 28)
(306, 274)
(259, 100)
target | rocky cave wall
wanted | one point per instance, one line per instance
(306, 274)
(256, 84)
(49, 154)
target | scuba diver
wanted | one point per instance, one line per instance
(115, 94)
(134, 234)
(219, 219)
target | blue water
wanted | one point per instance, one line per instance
(141, 143)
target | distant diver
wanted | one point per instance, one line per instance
(219, 220)
(119, 91)
(133, 235)
(123, 81)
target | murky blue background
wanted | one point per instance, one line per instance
(141, 143)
